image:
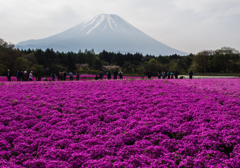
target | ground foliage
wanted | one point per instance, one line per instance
(138, 123)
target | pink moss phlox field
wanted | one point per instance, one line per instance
(81, 77)
(229, 87)
(138, 123)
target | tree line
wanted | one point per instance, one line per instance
(49, 61)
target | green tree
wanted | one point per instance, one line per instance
(201, 61)
(118, 59)
(39, 69)
(3, 69)
(71, 63)
(90, 57)
(219, 63)
(97, 64)
(31, 59)
(21, 63)
(55, 68)
(152, 61)
(163, 59)
(81, 58)
(39, 54)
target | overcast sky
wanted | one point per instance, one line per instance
(186, 25)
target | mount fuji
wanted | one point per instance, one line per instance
(104, 32)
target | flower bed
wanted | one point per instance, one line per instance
(81, 77)
(139, 123)
(225, 86)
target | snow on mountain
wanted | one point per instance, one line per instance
(104, 32)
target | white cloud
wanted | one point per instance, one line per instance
(186, 25)
(208, 7)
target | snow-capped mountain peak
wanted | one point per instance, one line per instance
(103, 23)
(104, 32)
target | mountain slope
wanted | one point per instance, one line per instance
(103, 32)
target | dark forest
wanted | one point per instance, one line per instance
(224, 60)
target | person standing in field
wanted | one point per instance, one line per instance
(115, 74)
(30, 76)
(36, 76)
(149, 74)
(168, 75)
(96, 78)
(53, 76)
(9, 75)
(163, 74)
(60, 75)
(109, 75)
(64, 75)
(190, 74)
(19, 75)
(171, 74)
(71, 75)
(27, 78)
(101, 74)
(159, 74)
(77, 76)
(176, 75)
(24, 77)
(120, 74)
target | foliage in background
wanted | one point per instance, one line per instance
(49, 61)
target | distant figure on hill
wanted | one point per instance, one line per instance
(120, 74)
(96, 78)
(71, 75)
(24, 77)
(171, 74)
(149, 74)
(109, 75)
(27, 76)
(101, 74)
(36, 76)
(60, 75)
(168, 75)
(64, 75)
(190, 74)
(53, 76)
(159, 74)
(17, 76)
(176, 75)
(30, 76)
(115, 74)
(9, 75)
(163, 74)
(77, 76)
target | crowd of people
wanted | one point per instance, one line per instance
(168, 75)
(62, 76)
(109, 76)
(163, 75)
(25, 76)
